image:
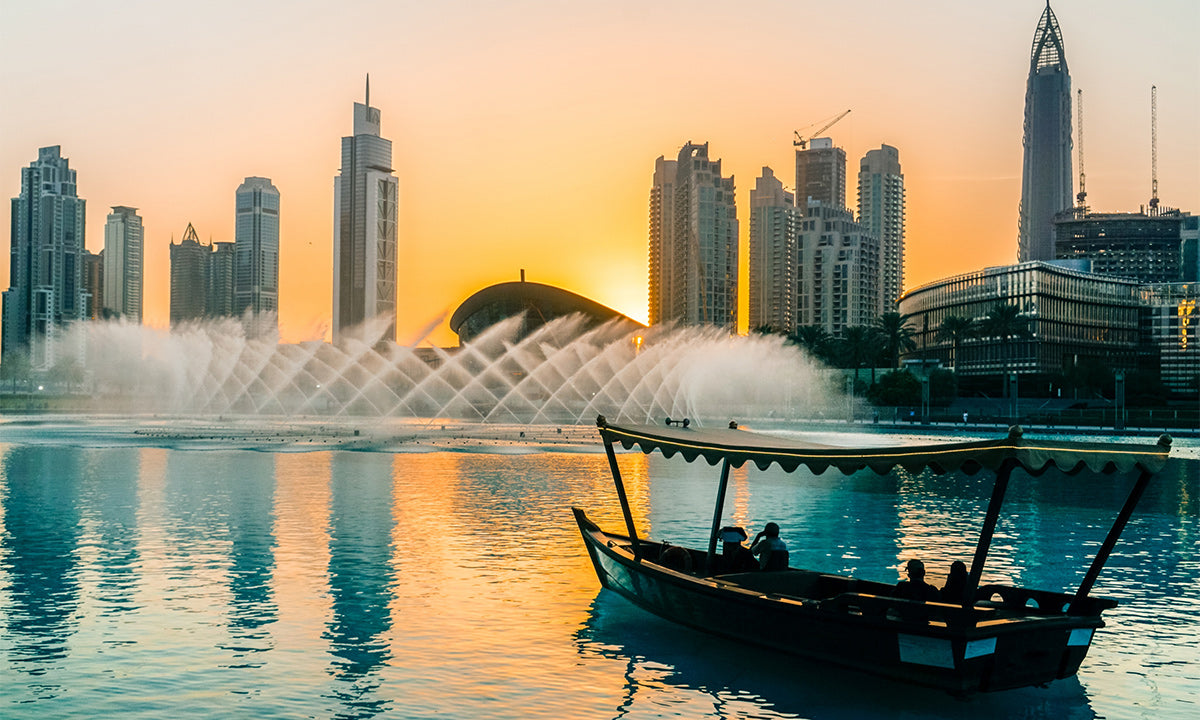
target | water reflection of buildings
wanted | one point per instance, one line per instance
(110, 505)
(40, 557)
(361, 577)
(251, 495)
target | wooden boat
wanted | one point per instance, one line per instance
(998, 637)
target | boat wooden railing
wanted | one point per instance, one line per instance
(909, 612)
(1043, 602)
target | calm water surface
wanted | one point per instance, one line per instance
(152, 583)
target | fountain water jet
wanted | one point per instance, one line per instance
(566, 371)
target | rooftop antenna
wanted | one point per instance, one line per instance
(368, 103)
(1081, 196)
(1153, 148)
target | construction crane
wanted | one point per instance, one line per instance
(1153, 148)
(802, 142)
(1081, 196)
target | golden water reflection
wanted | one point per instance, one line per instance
(367, 584)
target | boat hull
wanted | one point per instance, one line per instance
(960, 650)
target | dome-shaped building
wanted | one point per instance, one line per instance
(539, 303)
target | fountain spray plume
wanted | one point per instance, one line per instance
(564, 372)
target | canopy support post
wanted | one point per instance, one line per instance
(616, 473)
(1114, 534)
(989, 527)
(716, 523)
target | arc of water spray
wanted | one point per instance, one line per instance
(566, 371)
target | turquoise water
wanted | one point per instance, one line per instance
(149, 582)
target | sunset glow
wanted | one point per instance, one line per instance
(524, 133)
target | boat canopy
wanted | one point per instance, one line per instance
(737, 446)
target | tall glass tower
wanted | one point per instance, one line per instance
(123, 239)
(256, 248)
(365, 196)
(46, 260)
(1046, 183)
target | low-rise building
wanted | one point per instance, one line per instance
(1064, 317)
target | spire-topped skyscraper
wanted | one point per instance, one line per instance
(1046, 179)
(365, 197)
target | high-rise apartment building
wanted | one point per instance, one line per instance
(365, 198)
(46, 258)
(189, 278)
(694, 277)
(774, 223)
(256, 248)
(821, 174)
(1046, 182)
(881, 211)
(662, 223)
(123, 241)
(838, 269)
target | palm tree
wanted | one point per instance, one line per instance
(897, 336)
(859, 346)
(814, 339)
(957, 329)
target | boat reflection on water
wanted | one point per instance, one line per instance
(690, 673)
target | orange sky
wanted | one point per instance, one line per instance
(525, 133)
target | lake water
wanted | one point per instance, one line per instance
(142, 579)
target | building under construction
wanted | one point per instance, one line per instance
(1147, 246)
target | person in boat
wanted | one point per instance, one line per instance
(771, 552)
(955, 589)
(735, 557)
(915, 587)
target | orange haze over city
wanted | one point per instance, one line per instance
(524, 133)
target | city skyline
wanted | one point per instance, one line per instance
(508, 161)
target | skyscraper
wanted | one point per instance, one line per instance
(774, 222)
(881, 211)
(218, 300)
(1046, 183)
(695, 276)
(189, 278)
(662, 222)
(821, 174)
(365, 197)
(256, 248)
(46, 265)
(123, 264)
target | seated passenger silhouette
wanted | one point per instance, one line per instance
(735, 557)
(915, 587)
(955, 589)
(771, 552)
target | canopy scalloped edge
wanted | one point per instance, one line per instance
(1034, 456)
